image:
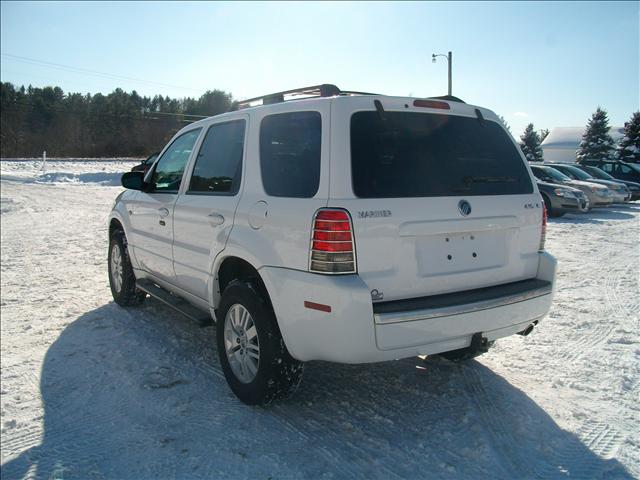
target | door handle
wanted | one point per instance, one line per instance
(215, 219)
(163, 212)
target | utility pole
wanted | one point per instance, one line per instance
(449, 58)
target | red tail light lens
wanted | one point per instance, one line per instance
(543, 231)
(332, 245)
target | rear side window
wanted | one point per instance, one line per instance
(409, 154)
(219, 163)
(290, 154)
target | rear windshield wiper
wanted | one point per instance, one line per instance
(478, 179)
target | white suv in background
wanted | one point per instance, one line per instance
(343, 226)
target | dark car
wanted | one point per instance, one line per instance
(560, 200)
(146, 163)
(633, 187)
(618, 170)
(620, 191)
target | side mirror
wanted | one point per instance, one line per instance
(133, 180)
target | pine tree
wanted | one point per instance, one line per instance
(544, 133)
(630, 143)
(530, 144)
(596, 142)
(504, 122)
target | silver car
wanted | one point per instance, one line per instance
(599, 195)
(620, 191)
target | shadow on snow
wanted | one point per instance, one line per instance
(139, 393)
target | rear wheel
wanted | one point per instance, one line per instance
(121, 277)
(254, 358)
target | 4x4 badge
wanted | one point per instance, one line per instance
(464, 207)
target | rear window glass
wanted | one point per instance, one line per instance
(410, 154)
(290, 154)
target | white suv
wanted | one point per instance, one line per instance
(343, 227)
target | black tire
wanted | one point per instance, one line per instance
(127, 294)
(278, 373)
(463, 354)
(550, 211)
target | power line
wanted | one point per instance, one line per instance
(86, 71)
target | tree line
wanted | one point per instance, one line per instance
(75, 125)
(126, 124)
(596, 142)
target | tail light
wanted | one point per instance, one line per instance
(543, 231)
(332, 246)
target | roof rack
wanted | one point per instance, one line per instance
(324, 90)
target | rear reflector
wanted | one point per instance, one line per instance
(431, 104)
(317, 306)
(332, 248)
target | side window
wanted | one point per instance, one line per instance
(168, 172)
(219, 163)
(607, 167)
(290, 154)
(625, 169)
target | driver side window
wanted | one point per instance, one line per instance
(167, 175)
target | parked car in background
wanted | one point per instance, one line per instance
(599, 195)
(618, 170)
(561, 199)
(343, 227)
(596, 172)
(145, 165)
(620, 191)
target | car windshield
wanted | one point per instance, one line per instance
(555, 174)
(575, 172)
(597, 173)
(636, 168)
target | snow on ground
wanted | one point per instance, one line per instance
(93, 391)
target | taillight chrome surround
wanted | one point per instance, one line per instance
(332, 248)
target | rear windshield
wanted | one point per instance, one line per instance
(408, 154)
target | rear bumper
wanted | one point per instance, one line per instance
(354, 332)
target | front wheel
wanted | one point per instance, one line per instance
(550, 211)
(254, 358)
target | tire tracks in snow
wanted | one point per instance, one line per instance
(605, 327)
(571, 460)
(506, 444)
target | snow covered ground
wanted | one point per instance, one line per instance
(93, 391)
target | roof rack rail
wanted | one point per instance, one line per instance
(324, 90)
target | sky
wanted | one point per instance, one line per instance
(549, 63)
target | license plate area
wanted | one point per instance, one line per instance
(461, 252)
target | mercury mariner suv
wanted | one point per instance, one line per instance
(320, 224)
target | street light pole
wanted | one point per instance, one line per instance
(449, 58)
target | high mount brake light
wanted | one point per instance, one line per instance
(431, 104)
(332, 249)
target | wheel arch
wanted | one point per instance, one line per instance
(232, 267)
